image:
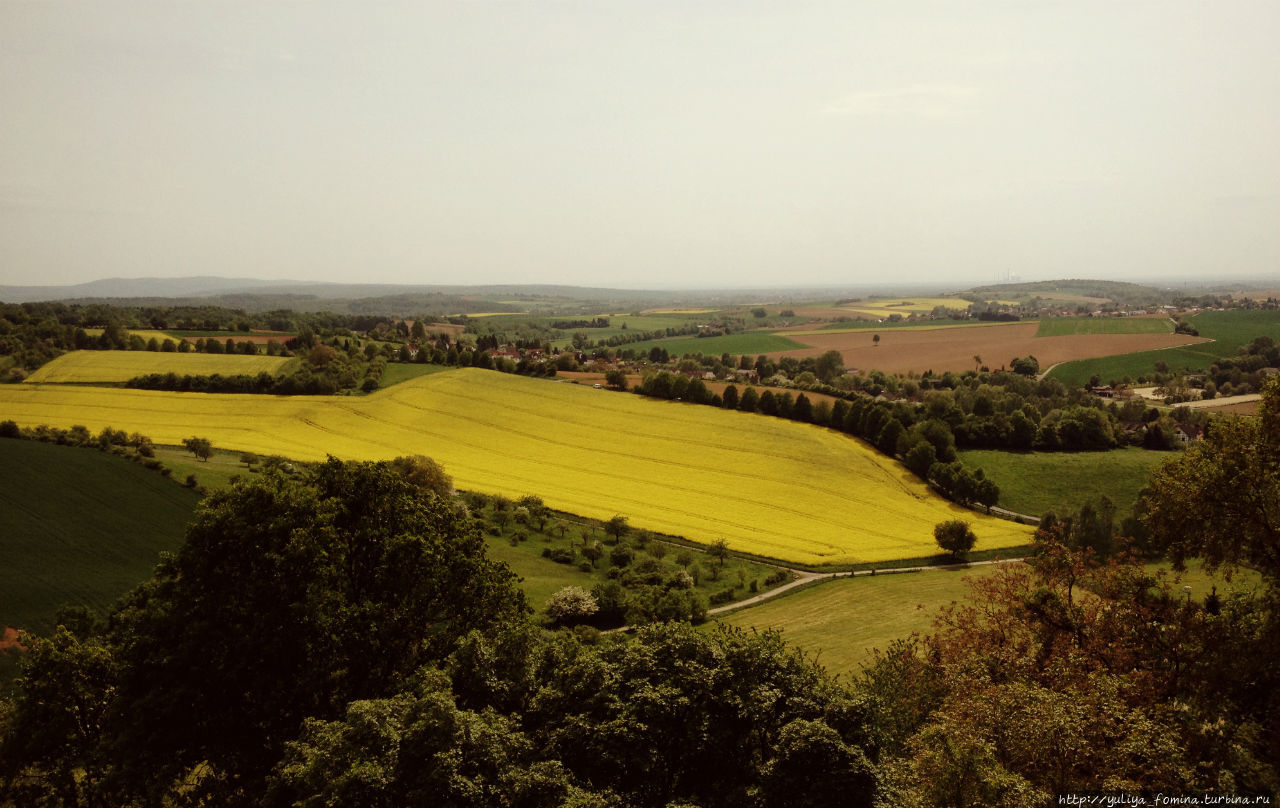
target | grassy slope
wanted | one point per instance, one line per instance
(1036, 482)
(541, 578)
(1229, 329)
(1069, 326)
(768, 486)
(78, 526)
(841, 621)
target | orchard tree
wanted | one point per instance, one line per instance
(200, 447)
(617, 527)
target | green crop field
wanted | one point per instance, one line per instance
(1229, 330)
(768, 486)
(114, 367)
(841, 621)
(1037, 482)
(398, 372)
(81, 527)
(752, 342)
(1069, 326)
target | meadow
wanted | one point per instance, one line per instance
(841, 622)
(769, 487)
(1034, 483)
(79, 526)
(1228, 330)
(116, 367)
(1066, 326)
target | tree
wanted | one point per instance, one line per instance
(292, 597)
(1027, 367)
(425, 473)
(719, 550)
(200, 447)
(1220, 500)
(617, 527)
(829, 366)
(920, 458)
(955, 536)
(616, 379)
(572, 604)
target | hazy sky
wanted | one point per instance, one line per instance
(649, 144)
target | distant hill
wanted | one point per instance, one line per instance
(412, 299)
(1118, 292)
(133, 287)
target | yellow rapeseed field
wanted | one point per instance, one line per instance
(96, 367)
(768, 486)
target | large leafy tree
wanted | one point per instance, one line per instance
(1220, 501)
(291, 598)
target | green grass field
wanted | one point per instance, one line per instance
(1037, 482)
(1070, 326)
(752, 342)
(841, 621)
(216, 472)
(79, 526)
(1230, 330)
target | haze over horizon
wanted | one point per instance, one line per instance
(657, 145)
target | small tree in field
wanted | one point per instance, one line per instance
(955, 536)
(617, 527)
(200, 447)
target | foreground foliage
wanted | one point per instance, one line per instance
(339, 638)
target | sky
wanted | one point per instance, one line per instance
(640, 144)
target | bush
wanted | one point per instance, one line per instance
(723, 596)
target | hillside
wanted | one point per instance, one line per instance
(78, 526)
(768, 486)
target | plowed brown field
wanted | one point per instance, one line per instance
(903, 350)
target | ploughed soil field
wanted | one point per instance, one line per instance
(904, 350)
